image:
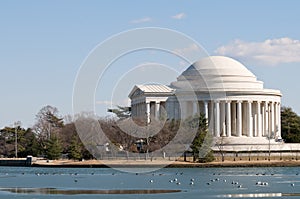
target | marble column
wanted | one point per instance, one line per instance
(244, 119)
(157, 107)
(176, 109)
(141, 114)
(211, 117)
(239, 119)
(259, 134)
(254, 119)
(183, 109)
(233, 116)
(142, 109)
(249, 119)
(187, 110)
(222, 119)
(276, 119)
(133, 110)
(205, 103)
(263, 114)
(217, 119)
(272, 119)
(168, 109)
(279, 119)
(173, 109)
(228, 119)
(195, 108)
(148, 112)
(267, 119)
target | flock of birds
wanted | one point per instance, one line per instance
(191, 182)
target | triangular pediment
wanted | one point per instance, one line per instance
(136, 91)
(150, 89)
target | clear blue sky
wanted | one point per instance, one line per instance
(43, 43)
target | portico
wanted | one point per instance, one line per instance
(149, 101)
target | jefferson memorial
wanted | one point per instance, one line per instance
(237, 106)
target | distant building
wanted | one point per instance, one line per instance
(237, 106)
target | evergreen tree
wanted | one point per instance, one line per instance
(33, 147)
(8, 136)
(28, 144)
(290, 125)
(54, 148)
(201, 145)
(75, 149)
(7, 144)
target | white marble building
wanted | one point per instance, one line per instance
(237, 106)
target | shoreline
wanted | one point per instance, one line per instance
(160, 164)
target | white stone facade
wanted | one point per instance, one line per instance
(234, 102)
(237, 117)
(149, 101)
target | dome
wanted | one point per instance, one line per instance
(226, 67)
(217, 73)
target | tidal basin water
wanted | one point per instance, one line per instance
(175, 183)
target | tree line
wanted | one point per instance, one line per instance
(52, 136)
(290, 125)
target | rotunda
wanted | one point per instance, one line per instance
(237, 106)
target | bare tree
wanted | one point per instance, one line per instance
(48, 122)
(220, 144)
(91, 134)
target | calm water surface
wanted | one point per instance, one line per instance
(24, 182)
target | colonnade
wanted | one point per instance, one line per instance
(148, 110)
(225, 118)
(239, 118)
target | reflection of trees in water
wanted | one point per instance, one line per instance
(54, 191)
